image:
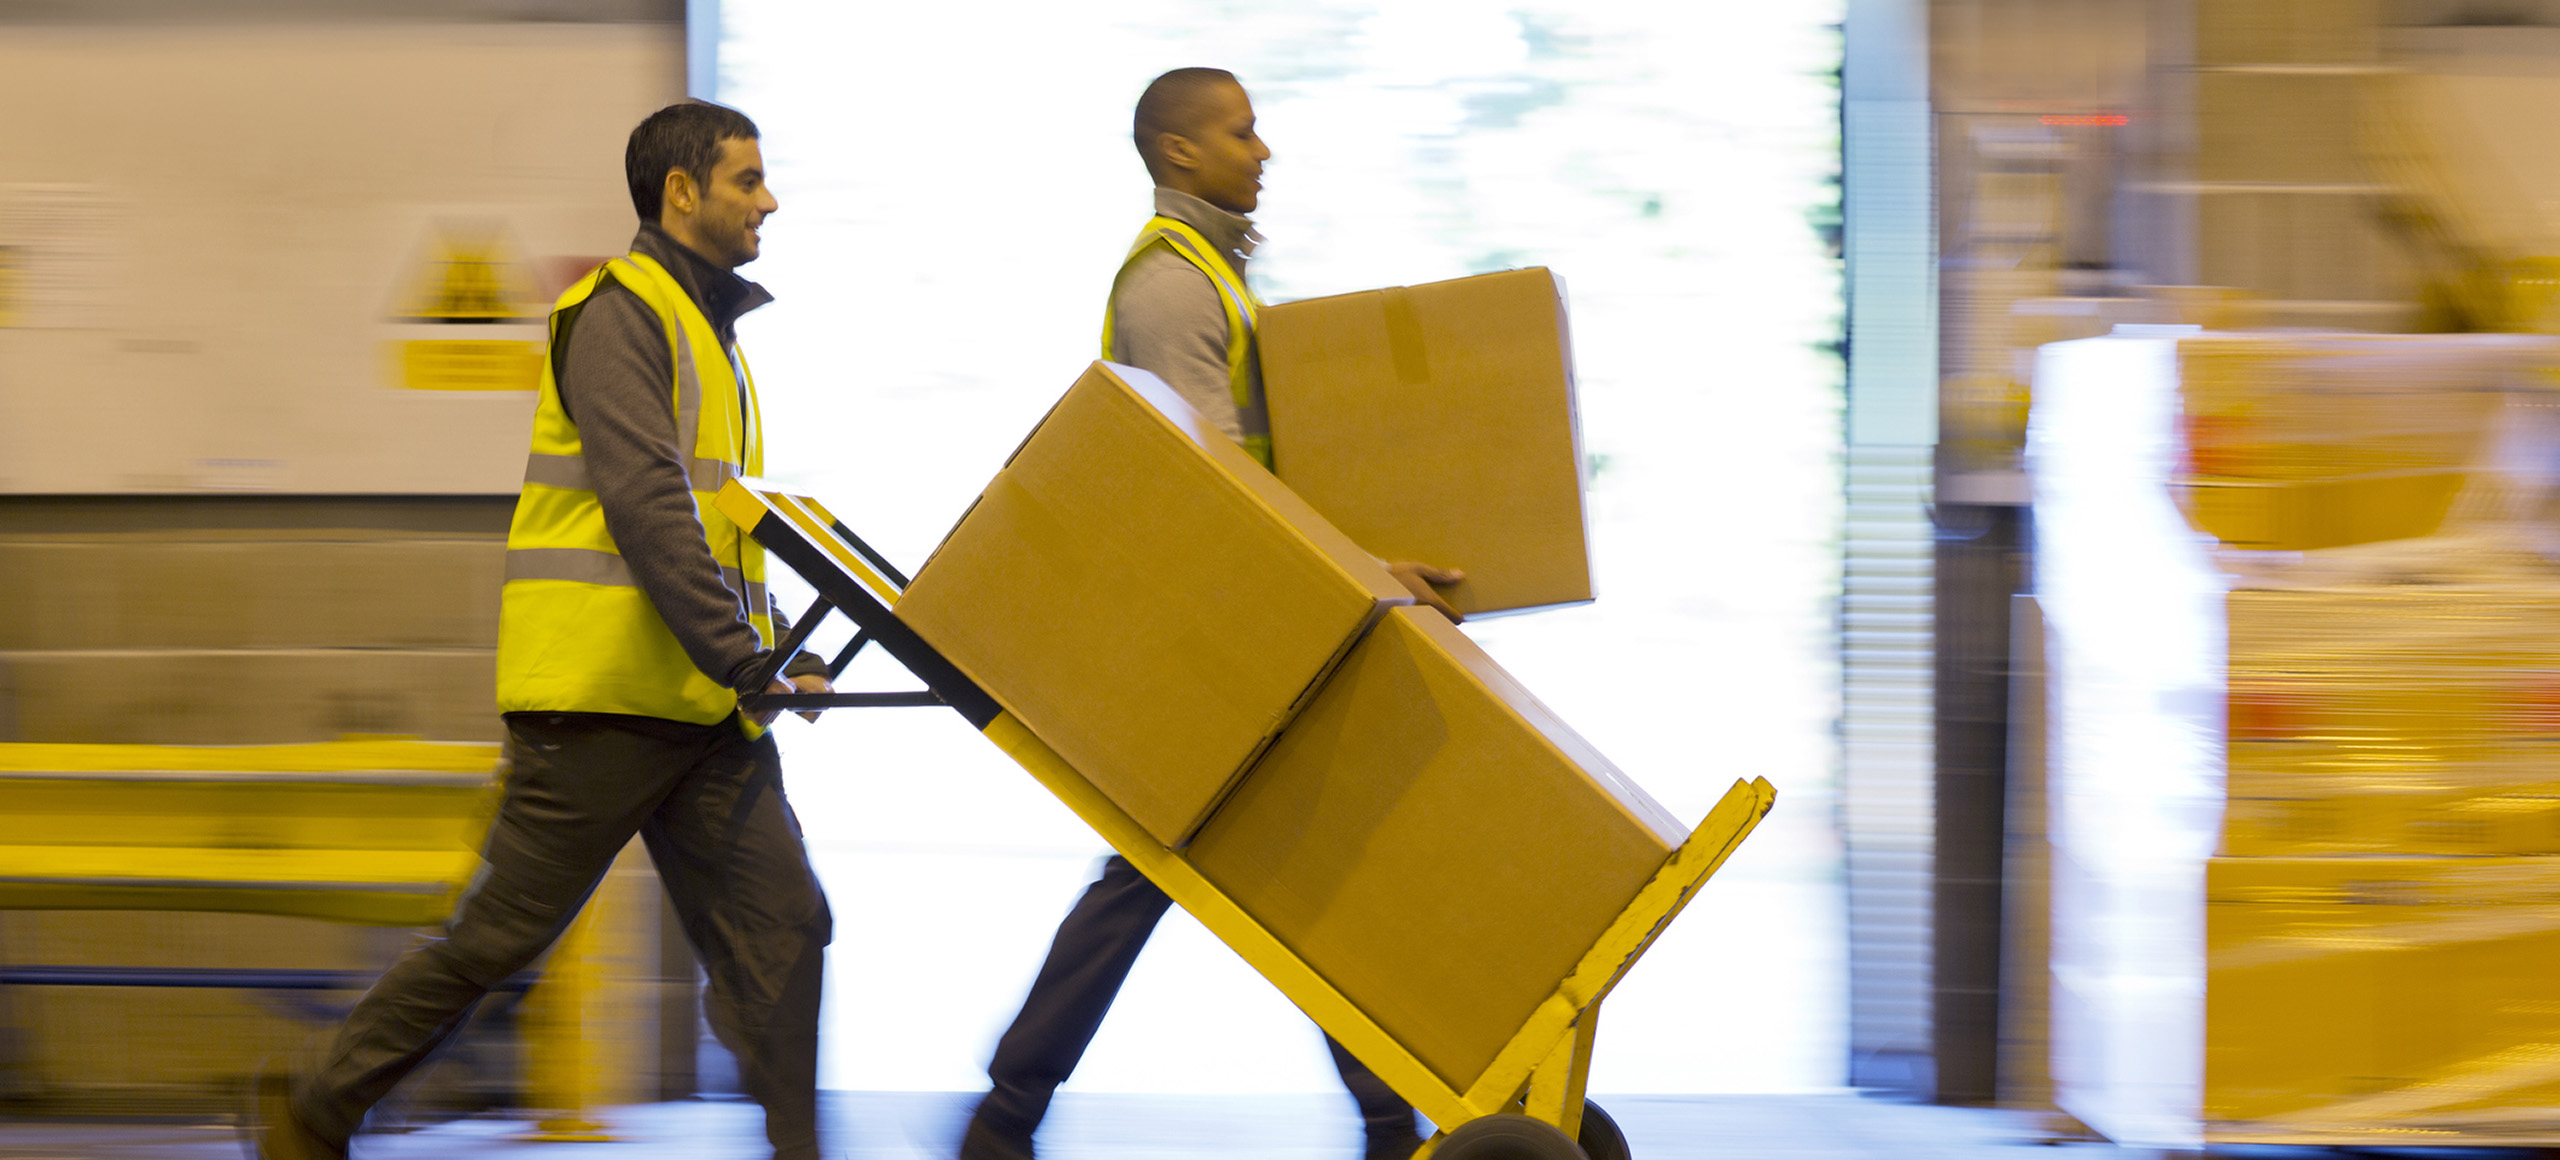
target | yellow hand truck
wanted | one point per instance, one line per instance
(1526, 1104)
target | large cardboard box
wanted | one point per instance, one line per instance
(2355, 993)
(252, 589)
(2393, 719)
(2309, 811)
(251, 696)
(2263, 32)
(1144, 597)
(1435, 843)
(1436, 423)
(2281, 126)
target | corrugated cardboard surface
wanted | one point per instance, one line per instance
(2418, 719)
(2296, 126)
(2294, 814)
(251, 589)
(2258, 32)
(1434, 842)
(1143, 596)
(1436, 423)
(2381, 991)
(247, 696)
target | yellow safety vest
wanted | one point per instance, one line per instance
(1241, 306)
(575, 631)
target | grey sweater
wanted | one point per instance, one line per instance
(1167, 319)
(615, 376)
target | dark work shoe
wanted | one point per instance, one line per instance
(1392, 1145)
(270, 1131)
(981, 1142)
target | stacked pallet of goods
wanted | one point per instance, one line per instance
(2304, 638)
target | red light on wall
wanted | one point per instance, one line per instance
(2085, 119)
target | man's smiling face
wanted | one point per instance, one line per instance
(734, 203)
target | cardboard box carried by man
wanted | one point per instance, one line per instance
(1160, 607)
(1437, 423)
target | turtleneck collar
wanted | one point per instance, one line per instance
(1232, 233)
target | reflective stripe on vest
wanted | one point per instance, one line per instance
(589, 566)
(1241, 307)
(575, 630)
(570, 472)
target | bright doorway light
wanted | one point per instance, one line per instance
(957, 188)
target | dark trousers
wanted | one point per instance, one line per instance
(1090, 958)
(709, 803)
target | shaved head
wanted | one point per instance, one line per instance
(1177, 103)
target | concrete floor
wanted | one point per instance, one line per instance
(1093, 1126)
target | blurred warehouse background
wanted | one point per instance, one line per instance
(2095, 456)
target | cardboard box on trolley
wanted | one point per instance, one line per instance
(1400, 837)
(1425, 861)
(1436, 423)
(1145, 597)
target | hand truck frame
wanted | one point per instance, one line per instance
(1538, 1076)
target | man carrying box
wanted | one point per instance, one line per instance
(634, 614)
(1180, 309)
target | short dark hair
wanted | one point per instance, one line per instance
(1172, 104)
(685, 135)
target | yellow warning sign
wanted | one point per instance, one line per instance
(468, 273)
(435, 364)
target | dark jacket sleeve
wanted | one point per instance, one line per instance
(617, 383)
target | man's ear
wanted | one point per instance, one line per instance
(680, 194)
(1177, 151)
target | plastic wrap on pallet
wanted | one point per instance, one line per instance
(2133, 614)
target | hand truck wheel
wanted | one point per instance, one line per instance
(1508, 1137)
(1600, 1137)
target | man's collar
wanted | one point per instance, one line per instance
(1232, 233)
(722, 295)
